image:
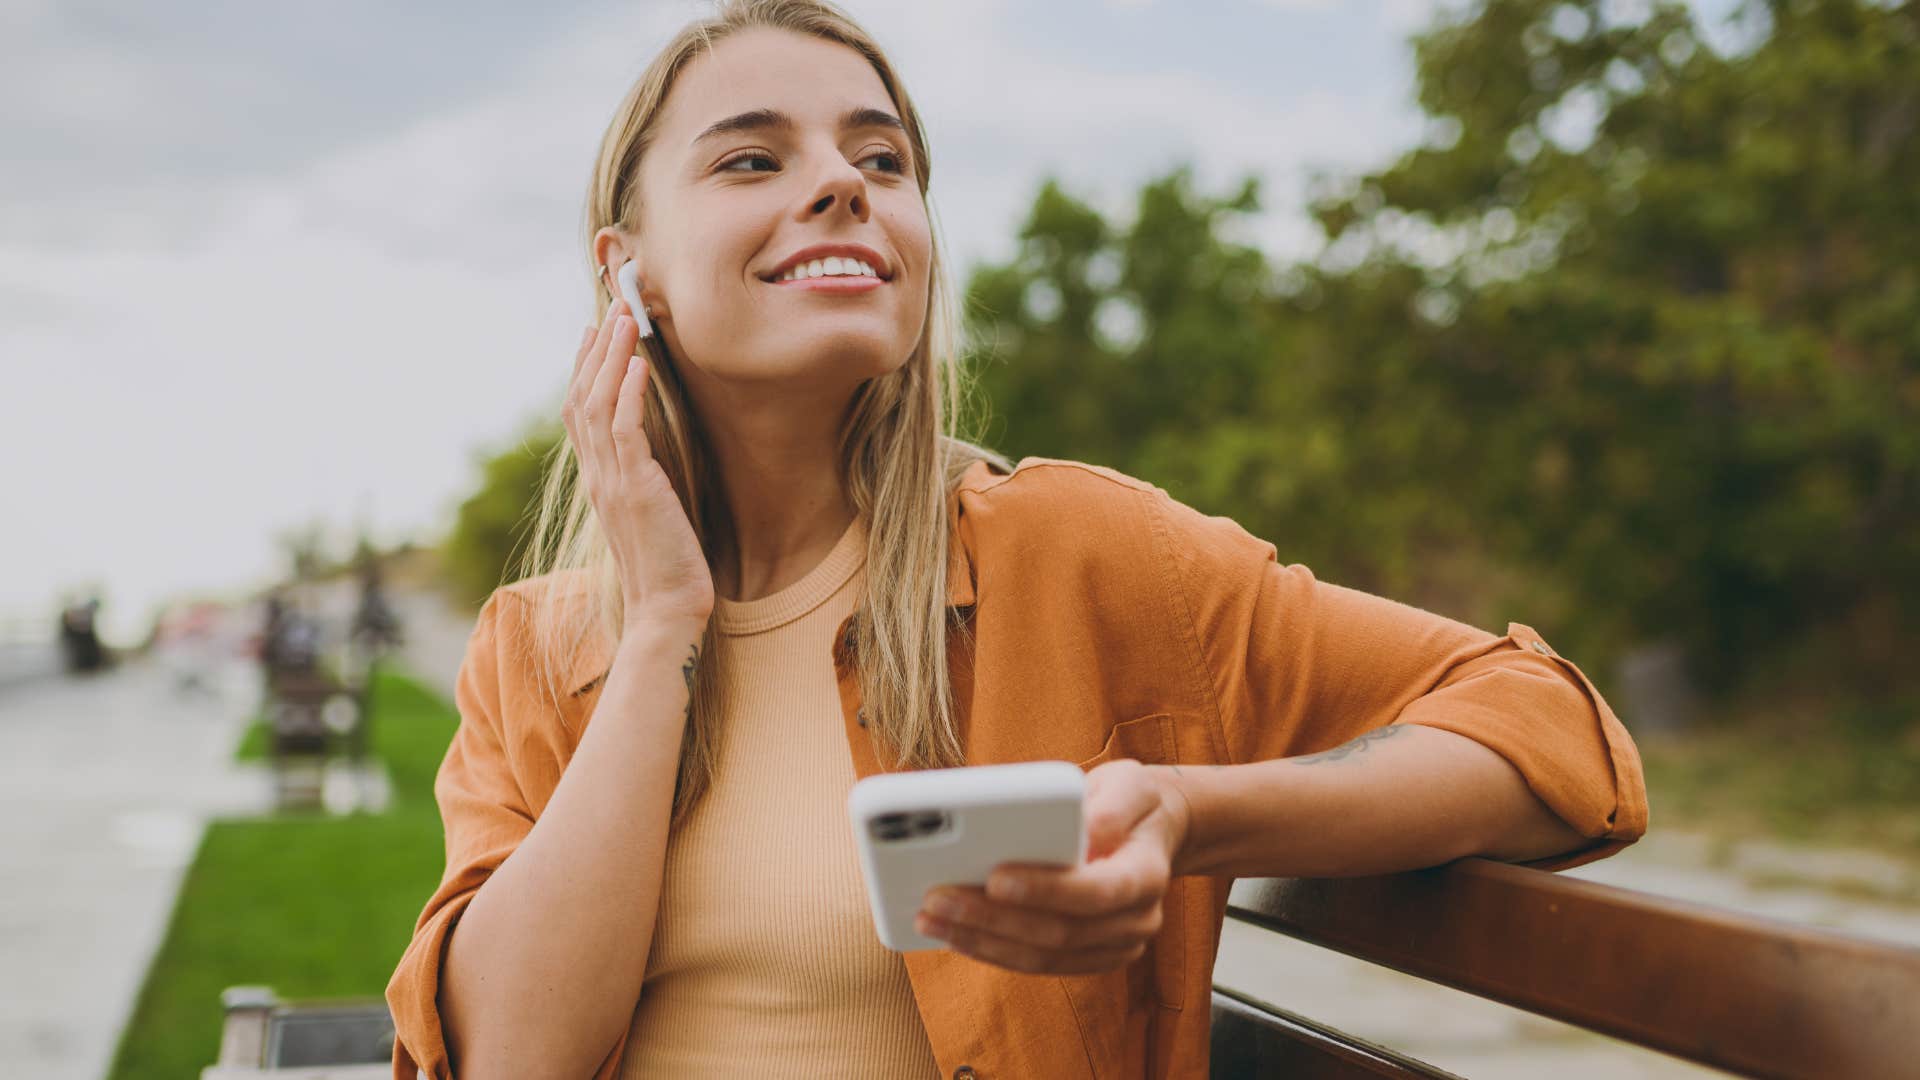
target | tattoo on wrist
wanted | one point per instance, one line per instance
(1353, 747)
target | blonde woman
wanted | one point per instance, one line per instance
(765, 567)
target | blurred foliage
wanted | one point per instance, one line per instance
(1630, 340)
(1853, 780)
(495, 523)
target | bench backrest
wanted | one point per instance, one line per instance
(1753, 995)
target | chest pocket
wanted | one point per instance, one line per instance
(1153, 740)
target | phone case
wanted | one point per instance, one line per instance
(929, 827)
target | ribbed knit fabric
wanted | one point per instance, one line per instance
(764, 960)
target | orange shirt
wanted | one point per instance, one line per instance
(1110, 620)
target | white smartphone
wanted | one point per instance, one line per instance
(929, 827)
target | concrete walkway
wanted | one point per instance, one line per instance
(106, 784)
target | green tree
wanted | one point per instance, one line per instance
(1627, 347)
(1160, 348)
(496, 521)
(1675, 305)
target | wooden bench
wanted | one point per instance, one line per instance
(1750, 995)
(263, 1036)
(1753, 996)
(306, 710)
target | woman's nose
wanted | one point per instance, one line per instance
(844, 187)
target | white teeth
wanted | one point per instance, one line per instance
(831, 266)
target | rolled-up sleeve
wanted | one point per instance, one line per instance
(1295, 665)
(485, 817)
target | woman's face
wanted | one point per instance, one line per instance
(722, 212)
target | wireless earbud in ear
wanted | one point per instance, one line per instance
(629, 277)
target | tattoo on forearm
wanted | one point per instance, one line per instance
(1353, 747)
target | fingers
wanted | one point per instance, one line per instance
(1118, 798)
(963, 906)
(628, 432)
(597, 414)
(585, 367)
(1122, 880)
(613, 368)
(1023, 956)
(588, 365)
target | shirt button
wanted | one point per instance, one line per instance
(862, 717)
(965, 1072)
(1541, 648)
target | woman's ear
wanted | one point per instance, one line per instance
(611, 248)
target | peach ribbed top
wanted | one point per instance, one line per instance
(764, 960)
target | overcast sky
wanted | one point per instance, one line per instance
(262, 263)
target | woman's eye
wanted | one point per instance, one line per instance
(898, 165)
(729, 164)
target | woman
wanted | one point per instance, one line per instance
(778, 572)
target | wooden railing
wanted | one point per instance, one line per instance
(1750, 995)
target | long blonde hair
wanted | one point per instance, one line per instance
(900, 456)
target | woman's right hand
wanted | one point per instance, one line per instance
(663, 571)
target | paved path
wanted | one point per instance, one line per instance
(105, 785)
(27, 661)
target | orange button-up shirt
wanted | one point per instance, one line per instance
(1109, 621)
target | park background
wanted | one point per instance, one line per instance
(1603, 317)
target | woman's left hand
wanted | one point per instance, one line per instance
(1094, 917)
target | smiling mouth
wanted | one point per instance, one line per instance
(784, 278)
(830, 279)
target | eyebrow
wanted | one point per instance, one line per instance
(762, 119)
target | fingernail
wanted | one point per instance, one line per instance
(943, 906)
(930, 926)
(1006, 887)
(586, 335)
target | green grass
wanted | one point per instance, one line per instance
(253, 745)
(1851, 778)
(312, 906)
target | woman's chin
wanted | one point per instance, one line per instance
(848, 349)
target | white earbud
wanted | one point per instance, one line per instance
(630, 289)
